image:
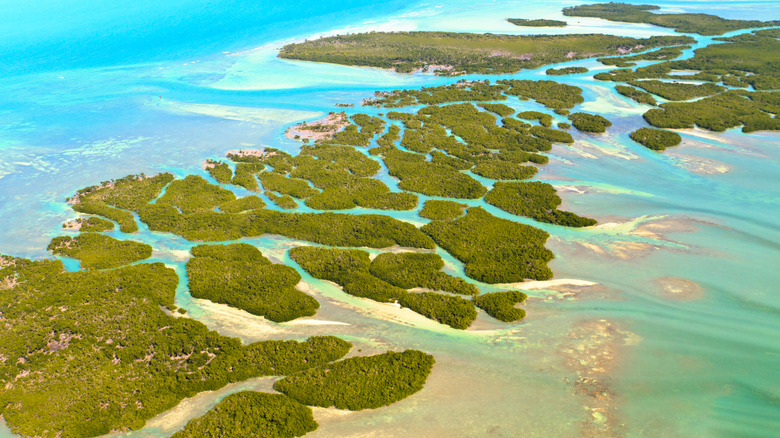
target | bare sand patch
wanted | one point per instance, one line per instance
(231, 321)
(74, 225)
(548, 284)
(658, 229)
(8, 283)
(623, 250)
(177, 417)
(680, 289)
(324, 414)
(321, 129)
(702, 166)
(315, 322)
(249, 153)
(631, 250)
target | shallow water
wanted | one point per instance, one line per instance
(677, 336)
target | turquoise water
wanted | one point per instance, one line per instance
(110, 91)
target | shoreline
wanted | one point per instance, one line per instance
(320, 129)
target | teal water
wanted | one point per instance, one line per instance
(111, 91)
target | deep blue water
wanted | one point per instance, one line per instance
(52, 35)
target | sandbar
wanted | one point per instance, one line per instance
(321, 129)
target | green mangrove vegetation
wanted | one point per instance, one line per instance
(656, 139)
(446, 309)
(473, 91)
(429, 178)
(250, 414)
(536, 200)
(677, 90)
(409, 270)
(391, 136)
(91, 224)
(350, 268)
(328, 176)
(742, 60)
(91, 352)
(241, 205)
(514, 124)
(365, 382)
(369, 127)
(752, 111)
(347, 268)
(276, 182)
(551, 135)
(494, 250)
(501, 305)
(244, 217)
(463, 138)
(98, 251)
(442, 210)
(589, 122)
(749, 58)
(375, 231)
(538, 22)
(219, 171)
(125, 219)
(282, 201)
(548, 93)
(565, 71)
(104, 349)
(194, 194)
(636, 95)
(245, 176)
(351, 135)
(544, 119)
(498, 108)
(702, 24)
(459, 53)
(507, 170)
(240, 276)
(551, 94)
(128, 193)
(112, 198)
(663, 54)
(369, 124)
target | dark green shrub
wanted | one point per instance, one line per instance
(589, 122)
(98, 251)
(656, 139)
(442, 210)
(536, 200)
(501, 305)
(252, 415)
(238, 275)
(494, 250)
(357, 383)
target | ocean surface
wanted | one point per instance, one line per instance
(664, 320)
